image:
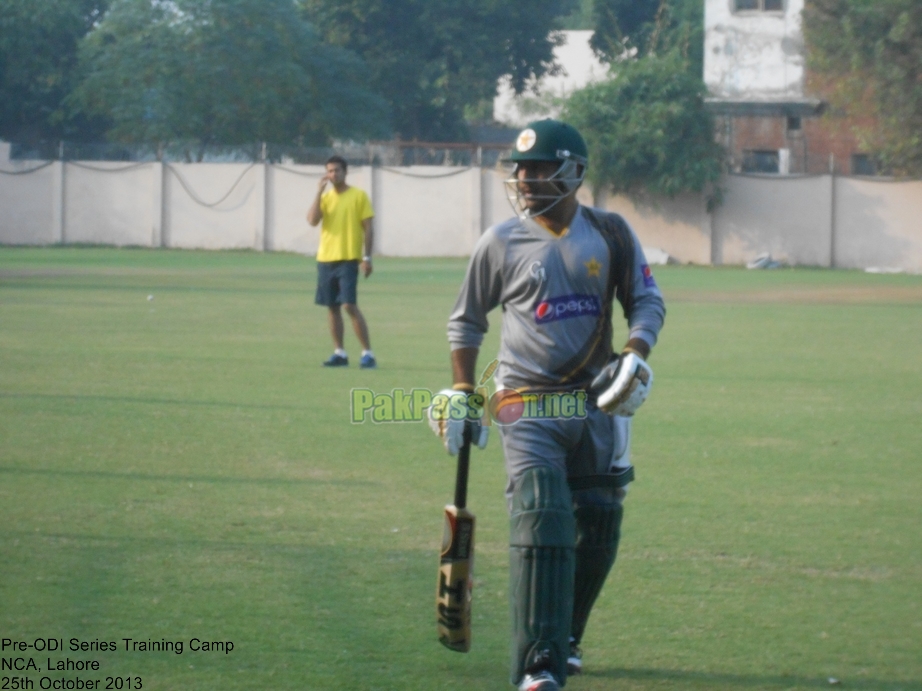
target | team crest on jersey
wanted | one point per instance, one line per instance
(537, 272)
(593, 267)
(647, 276)
(526, 140)
(567, 307)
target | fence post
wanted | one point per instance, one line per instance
(156, 230)
(372, 197)
(62, 200)
(164, 203)
(268, 201)
(832, 211)
(717, 250)
(476, 208)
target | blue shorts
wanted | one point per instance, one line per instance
(337, 283)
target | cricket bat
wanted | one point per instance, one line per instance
(456, 565)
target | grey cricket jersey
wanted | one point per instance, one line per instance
(553, 293)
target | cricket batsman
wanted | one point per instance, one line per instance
(556, 270)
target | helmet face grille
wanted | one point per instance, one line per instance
(548, 140)
(567, 178)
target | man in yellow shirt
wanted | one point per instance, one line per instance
(347, 224)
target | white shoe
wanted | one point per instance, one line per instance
(575, 660)
(542, 681)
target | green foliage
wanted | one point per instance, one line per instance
(581, 19)
(870, 54)
(431, 58)
(648, 130)
(648, 27)
(222, 71)
(647, 127)
(622, 25)
(38, 58)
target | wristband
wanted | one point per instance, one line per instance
(366, 258)
(466, 388)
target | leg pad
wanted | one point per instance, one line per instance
(598, 530)
(542, 533)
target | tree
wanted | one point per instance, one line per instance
(647, 129)
(38, 58)
(580, 19)
(866, 59)
(649, 27)
(222, 71)
(431, 58)
(646, 126)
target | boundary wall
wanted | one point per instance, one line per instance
(823, 220)
(817, 220)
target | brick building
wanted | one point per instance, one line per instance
(755, 73)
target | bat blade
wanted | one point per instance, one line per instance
(456, 569)
(456, 564)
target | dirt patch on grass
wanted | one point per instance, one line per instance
(844, 295)
(36, 273)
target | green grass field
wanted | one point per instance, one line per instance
(183, 468)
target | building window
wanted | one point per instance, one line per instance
(863, 164)
(760, 161)
(794, 124)
(758, 5)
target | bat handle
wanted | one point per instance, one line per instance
(464, 462)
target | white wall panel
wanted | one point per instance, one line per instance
(30, 203)
(442, 211)
(108, 203)
(214, 206)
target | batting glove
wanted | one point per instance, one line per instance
(451, 411)
(623, 384)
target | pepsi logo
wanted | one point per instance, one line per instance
(567, 307)
(648, 279)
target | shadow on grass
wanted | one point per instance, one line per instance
(705, 680)
(73, 398)
(301, 616)
(214, 479)
(23, 281)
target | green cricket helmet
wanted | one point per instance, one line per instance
(554, 141)
(550, 140)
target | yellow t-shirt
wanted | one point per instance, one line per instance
(342, 235)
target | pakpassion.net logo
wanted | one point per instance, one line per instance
(505, 406)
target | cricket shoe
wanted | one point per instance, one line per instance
(574, 660)
(368, 362)
(541, 681)
(336, 361)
